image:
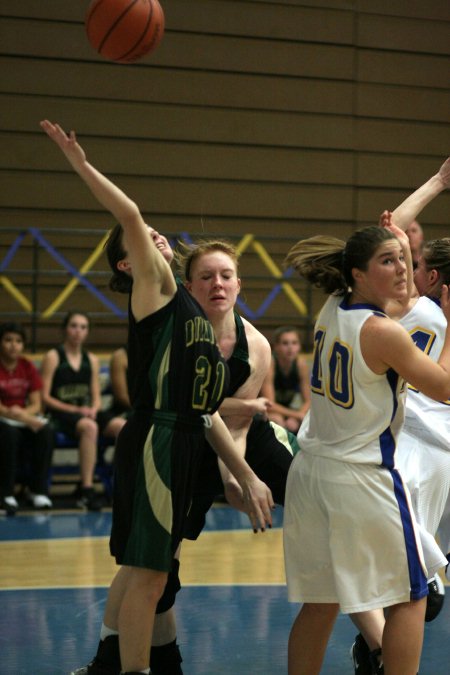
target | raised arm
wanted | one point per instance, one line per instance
(148, 266)
(410, 208)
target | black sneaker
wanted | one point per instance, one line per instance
(89, 499)
(435, 599)
(377, 667)
(360, 654)
(106, 661)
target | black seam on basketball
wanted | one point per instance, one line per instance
(91, 14)
(112, 27)
(149, 20)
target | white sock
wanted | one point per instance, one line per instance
(106, 632)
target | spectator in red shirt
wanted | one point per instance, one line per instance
(26, 438)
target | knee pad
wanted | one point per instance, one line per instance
(167, 600)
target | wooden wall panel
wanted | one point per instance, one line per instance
(403, 33)
(175, 86)
(205, 161)
(432, 105)
(182, 123)
(197, 197)
(435, 10)
(398, 68)
(187, 50)
(409, 138)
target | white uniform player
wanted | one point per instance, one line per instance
(346, 484)
(423, 454)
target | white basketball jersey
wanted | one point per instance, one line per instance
(355, 414)
(427, 325)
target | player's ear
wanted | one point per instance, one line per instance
(433, 277)
(124, 266)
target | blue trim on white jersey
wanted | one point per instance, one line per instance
(387, 440)
(417, 578)
(360, 305)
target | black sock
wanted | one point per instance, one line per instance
(108, 655)
(166, 659)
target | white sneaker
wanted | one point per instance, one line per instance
(41, 501)
(8, 506)
(12, 502)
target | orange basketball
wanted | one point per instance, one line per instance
(124, 30)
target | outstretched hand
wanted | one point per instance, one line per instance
(385, 221)
(385, 218)
(258, 503)
(67, 142)
(444, 173)
(445, 301)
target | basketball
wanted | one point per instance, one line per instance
(124, 30)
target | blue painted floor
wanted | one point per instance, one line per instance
(223, 630)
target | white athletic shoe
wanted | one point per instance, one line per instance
(12, 502)
(41, 501)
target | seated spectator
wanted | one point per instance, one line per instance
(26, 438)
(287, 383)
(71, 394)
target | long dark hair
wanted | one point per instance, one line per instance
(69, 315)
(120, 282)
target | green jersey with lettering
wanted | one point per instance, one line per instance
(69, 385)
(178, 377)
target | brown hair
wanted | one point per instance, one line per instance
(281, 330)
(436, 256)
(72, 313)
(327, 262)
(120, 282)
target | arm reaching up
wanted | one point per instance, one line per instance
(410, 208)
(145, 263)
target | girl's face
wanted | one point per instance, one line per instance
(287, 346)
(11, 347)
(161, 244)
(422, 277)
(385, 276)
(77, 329)
(214, 282)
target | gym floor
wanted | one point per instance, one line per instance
(233, 615)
